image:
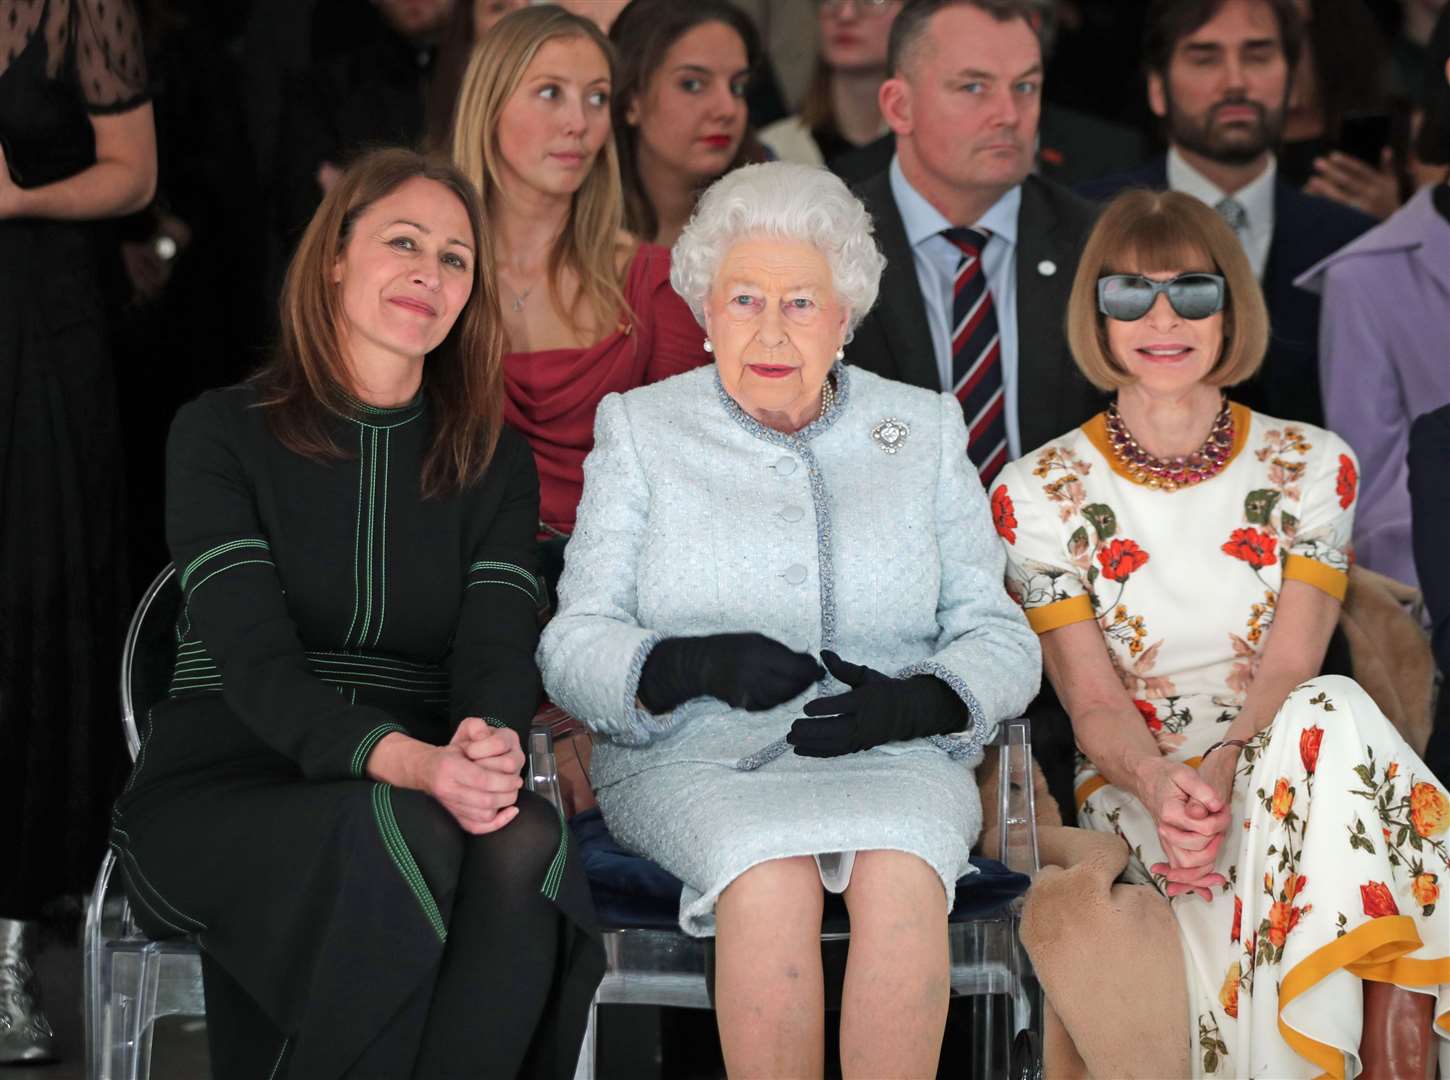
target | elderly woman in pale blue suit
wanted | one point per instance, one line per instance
(737, 522)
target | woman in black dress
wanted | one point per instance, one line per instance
(76, 145)
(329, 796)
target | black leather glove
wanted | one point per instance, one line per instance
(877, 709)
(749, 671)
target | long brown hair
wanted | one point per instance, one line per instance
(642, 35)
(589, 241)
(306, 384)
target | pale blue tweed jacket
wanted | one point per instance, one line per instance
(696, 519)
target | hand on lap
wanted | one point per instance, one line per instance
(876, 709)
(1192, 819)
(476, 777)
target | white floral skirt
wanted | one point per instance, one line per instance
(1335, 873)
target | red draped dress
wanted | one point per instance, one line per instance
(552, 393)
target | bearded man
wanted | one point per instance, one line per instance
(1218, 77)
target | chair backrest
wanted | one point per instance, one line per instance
(149, 653)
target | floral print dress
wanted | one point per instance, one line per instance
(1342, 835)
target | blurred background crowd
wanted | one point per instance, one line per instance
(257, 106)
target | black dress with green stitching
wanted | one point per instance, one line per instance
(349, 928)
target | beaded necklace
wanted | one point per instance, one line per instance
(1170, 474)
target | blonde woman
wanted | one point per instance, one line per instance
(587, 308)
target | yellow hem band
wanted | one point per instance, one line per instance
(1313, 572)
(1375, 951)
(1060, 613)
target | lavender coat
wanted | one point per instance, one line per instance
(1384, 358)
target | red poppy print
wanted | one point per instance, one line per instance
(1347, 483)
(1233, 934)
(1378, 900)
(1254, 547)
(1003, 515)
(1309, 740)
(1150, 714)
(1120, 558)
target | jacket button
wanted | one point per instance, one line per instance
(791, 513)
(795, 574)
(785, 466)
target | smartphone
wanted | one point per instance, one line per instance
(1365, 135)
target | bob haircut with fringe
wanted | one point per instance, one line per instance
(780, 201)
(1153, 232)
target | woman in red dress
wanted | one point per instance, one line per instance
(587, 307)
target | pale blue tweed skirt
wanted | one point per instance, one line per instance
(708, 823)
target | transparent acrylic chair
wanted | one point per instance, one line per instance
(130, 980)
(664, 967)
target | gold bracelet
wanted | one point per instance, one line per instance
(1239, 743)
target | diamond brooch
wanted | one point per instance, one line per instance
(890, 434)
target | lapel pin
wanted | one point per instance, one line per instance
(1047, 268)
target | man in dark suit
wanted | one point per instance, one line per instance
(980, 254)
(1219, 73)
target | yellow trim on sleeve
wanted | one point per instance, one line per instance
(1087, 789)
(1060, 613)
(1312, 572)
(1376, 951)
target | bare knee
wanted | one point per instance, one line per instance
(780, 896)
(896, 887)
(794, 878)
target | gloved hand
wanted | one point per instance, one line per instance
(749, 671)
(877, 709)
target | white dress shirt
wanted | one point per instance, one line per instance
(936, 260)
(1256, 197)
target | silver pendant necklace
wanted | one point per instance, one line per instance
(519, 298)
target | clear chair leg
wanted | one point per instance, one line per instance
(585, 1069)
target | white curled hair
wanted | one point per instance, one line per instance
(781, 201)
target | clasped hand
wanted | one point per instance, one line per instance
(876, 709)
(476, 777)
(753, 672)
(1192, 810)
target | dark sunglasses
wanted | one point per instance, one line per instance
(1128, 297)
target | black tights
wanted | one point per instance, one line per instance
(479, 1016)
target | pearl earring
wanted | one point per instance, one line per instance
(840, 354)
(709, 345)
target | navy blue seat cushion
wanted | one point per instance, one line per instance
(630, 892)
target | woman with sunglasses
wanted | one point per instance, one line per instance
(1183, 560)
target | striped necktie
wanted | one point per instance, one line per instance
(977, 356)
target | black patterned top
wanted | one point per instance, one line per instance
(329, 603)
(60, 62)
